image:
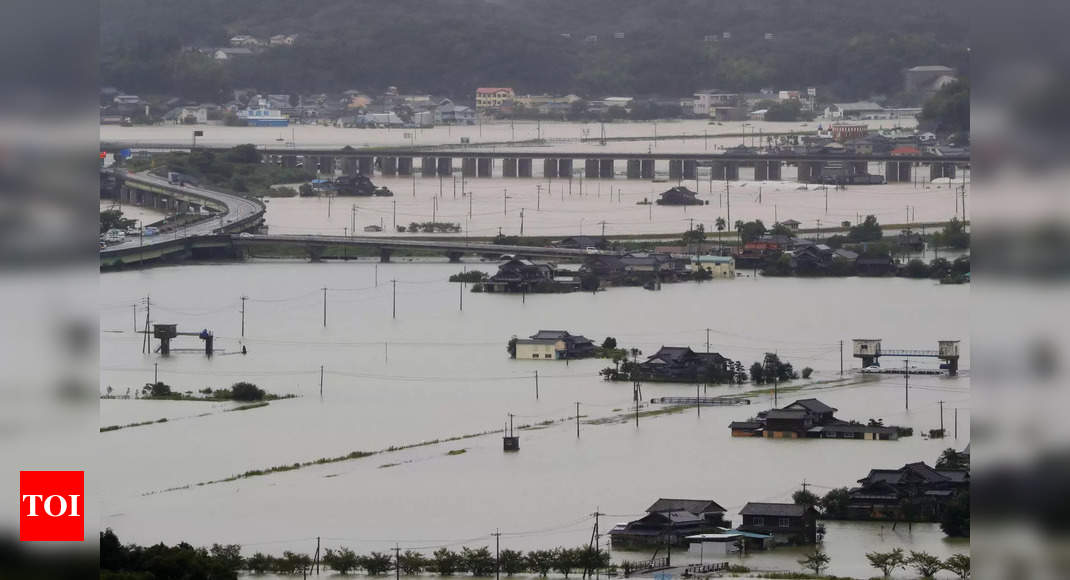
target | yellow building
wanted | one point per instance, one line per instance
(493, 97)
(719, 266)
(538, 349)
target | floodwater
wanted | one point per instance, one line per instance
(403, 363)
(562, 206)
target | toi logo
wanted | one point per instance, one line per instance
(51, 506)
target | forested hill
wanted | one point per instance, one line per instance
(847, 48)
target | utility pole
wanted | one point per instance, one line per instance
(841, 358)
(941, 417)
(698, 404)
(536, 385)
(460, 288)
(243, 299)
(727, 197)
(321, 382)
(906, 383)
(497, 553)
(394, 299)
(505, 202)
(353, 220)
(577, 420)
(317, 558)
(707, 340)
(956, 422)
(324, 306)
(397, 562)
(148, 313)
(603, 222)
(521, 221)
(155, 373)
(394, 204)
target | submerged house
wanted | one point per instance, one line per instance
(670, 521)
(521, 275)
(679, 195)
(554, 345)
(681, 364)
(916, 488)
(809, 418)
(788, 523)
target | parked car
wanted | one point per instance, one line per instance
(150, 231)
(591, 250)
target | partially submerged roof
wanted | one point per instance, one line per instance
(695, 506)
(773, 509)
(812, 405)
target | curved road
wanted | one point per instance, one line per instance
(237, 209)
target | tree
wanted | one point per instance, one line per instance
(886, 562)
(954, 235)
(156, 390)
(564, 560)
(806, 372)
(782, 230)
(917, 268)
(226, 558)
(444, 562)
(541, 561)
(757, 373)
(805, 497)
(113, 219)
(609, 343)
(412, 563)
(948, 111)
(511, 561)
(696, 235)
(243, 391)
(306, 190)
(951, 459)
(816, 561)
(343, 561)
(955, 521)
(511, 347)
(376, 563)
(751, 231)
(258, 563)
(958, 564)
(835, 503)
(867, 231)
(478, 561)
(293, 563)
(246, 153)
(926, 564)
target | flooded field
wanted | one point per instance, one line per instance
(435, 371)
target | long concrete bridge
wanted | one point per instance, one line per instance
(221, 244)
(204, 214)
(476, 162)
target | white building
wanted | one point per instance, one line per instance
(707, 102)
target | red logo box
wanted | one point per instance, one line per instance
(51, 506)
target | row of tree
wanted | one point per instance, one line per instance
(925, 564)
(225, 561)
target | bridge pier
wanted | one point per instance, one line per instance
(717, 169)
(646, 169)
(938, 170)
(485, 167)
(445, 166)
(384, 254)
(428, 166)
(468, 167)
(405, 166)
(634, 168)
(605, 168)
(859, 167)
(690, 169)
(389, 166)
(774, 168)
(454, 257)
(327, 165)
(590, 168)
(509, 167)
(549, 167)
(810, 171)
(761, 171)
(315, 252)
(289, 161)
(676, 170)
(564, 168)
(523, 167)
(366, 165)
(349, 165)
